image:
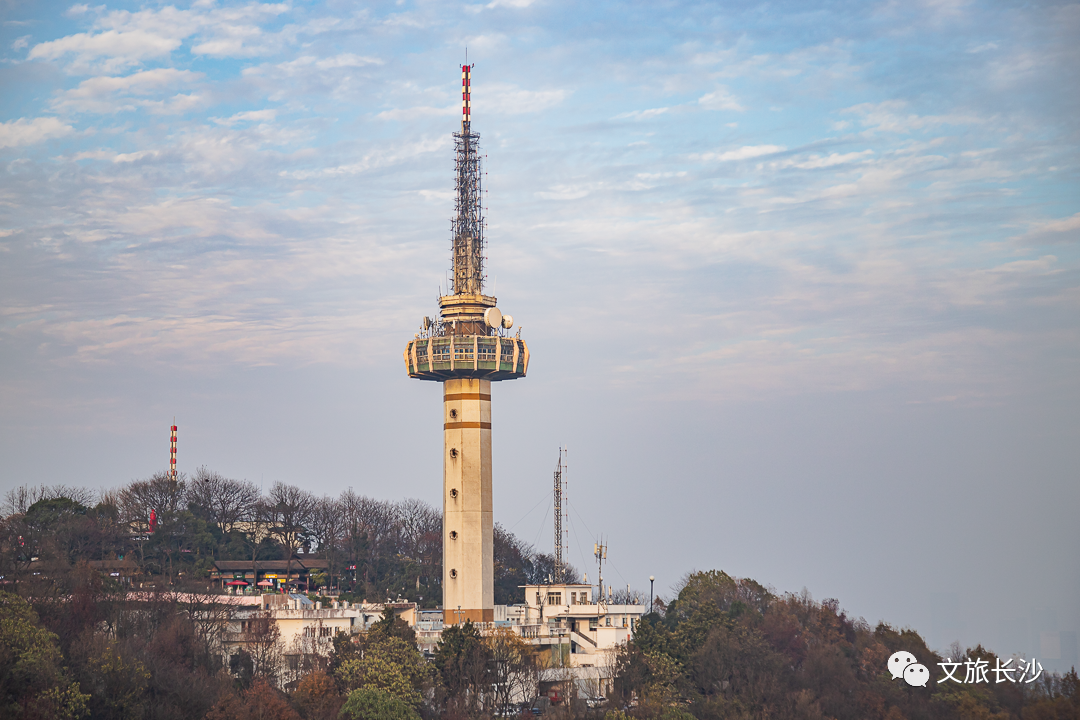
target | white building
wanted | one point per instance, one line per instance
(305, 627)
(568, 619)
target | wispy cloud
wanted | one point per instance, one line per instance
(745, 152)
(719, 99)
(29, 131)
(110, 94)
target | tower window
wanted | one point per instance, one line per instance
(453, 534)
(453, 414)
(453, 492)
(453, 574)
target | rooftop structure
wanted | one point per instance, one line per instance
(466, 348)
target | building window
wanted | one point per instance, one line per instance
(593, 623)
(608, 623)
(573, 598)
(554, 598)
(624, 621)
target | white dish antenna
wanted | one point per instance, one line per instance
(507, 321)
(493, 317)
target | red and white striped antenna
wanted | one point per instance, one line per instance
(172, 452)
(466, 101)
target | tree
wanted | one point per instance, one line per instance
(290, 511)
(33, 680)
(390, 625)
(261, 638)
(225, 501)
(163, 496)
(18, 500)
(259, 702)
(464, 665)
(388, 664)
(373, 704)
(513, 667)
(118, 683)
(328, 527)
(317, 696)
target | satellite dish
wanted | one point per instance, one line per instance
(492, 317)
(427, 322)
(508, 321)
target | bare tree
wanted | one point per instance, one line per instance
(18, 500)
(513, 668)
(159, 494)
(328, 527)
(262, 640)
(225, 500)
(290, 512)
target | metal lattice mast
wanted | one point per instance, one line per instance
(468, 223)
(560, 568)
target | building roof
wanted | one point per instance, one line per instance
(297, 564)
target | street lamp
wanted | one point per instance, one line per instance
(651, 581)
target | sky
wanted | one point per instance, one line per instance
(800, 280)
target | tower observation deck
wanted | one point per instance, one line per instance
(466, 348)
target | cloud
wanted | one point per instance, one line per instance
(121, 39)
(506, 99)
(119, 49)
(744, 153)
(420, 111)
(20, 42)
(267, 115)
(111, 94)
(1063, 225)
(720, 99)
(888, 117)
(16, 133)
(641, 114)
(817, 162)
(380, 158)
(304, 64)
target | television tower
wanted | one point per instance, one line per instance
(466, 348)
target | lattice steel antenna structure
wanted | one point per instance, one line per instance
(559, 576)
(466, 348)
(468, 222)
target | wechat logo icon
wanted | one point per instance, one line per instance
(903, 664)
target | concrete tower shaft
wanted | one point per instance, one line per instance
(468, 555)
(467, 348)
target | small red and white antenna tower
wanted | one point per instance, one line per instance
(172, 452)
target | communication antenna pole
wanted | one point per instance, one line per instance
(560, 567)
(172, 452)
(600, 553)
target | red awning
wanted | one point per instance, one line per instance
(236, 582)
(264, 582)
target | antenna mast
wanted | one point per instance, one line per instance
(560, 567)
(468, 222)
(172, 452)
(600, 553)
